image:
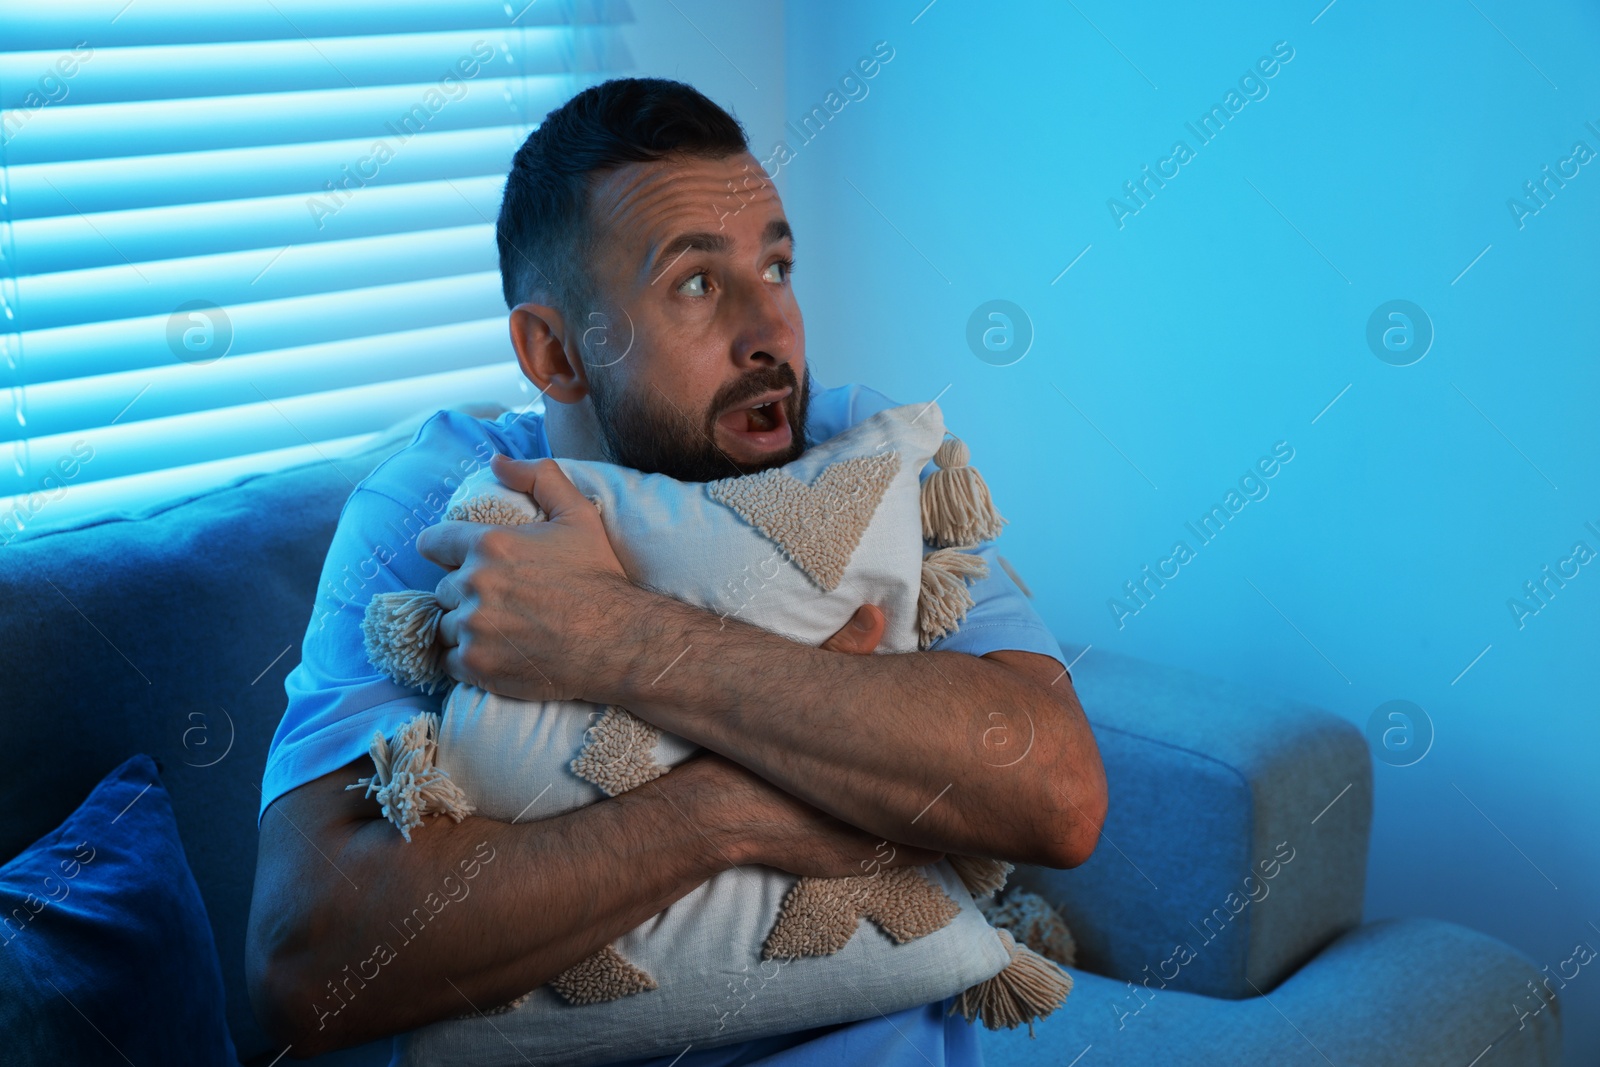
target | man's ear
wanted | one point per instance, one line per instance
(539, 335)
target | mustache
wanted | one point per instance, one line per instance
(753, 385)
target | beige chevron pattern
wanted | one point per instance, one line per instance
(818, 526)
(618, 752)
(820, 915)
(601, 977)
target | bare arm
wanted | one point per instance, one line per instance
(893, 744)
(907, 746)
(475, 914)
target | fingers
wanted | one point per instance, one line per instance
(450, 598)
(861, 634)
(447, 543)
(544, 480)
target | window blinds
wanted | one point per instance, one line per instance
(234, 237)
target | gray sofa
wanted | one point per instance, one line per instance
(170, 632)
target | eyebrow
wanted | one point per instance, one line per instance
(716, 243)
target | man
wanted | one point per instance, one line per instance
(645, 259)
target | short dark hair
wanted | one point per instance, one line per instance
(544, 230)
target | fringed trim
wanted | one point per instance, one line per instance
(956, 507)
(1029, 988)
(1031, 920)
(944, 600)
(401, 631)
(820, 915)
(618, 752)
(604, 976)
(407, 784)
(982, 877)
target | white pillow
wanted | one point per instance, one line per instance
(748, 953)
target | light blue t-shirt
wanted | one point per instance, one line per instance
(337, 700)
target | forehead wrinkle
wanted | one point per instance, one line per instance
(665, 202)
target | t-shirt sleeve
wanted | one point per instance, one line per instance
(1001, 617)
(336, 699)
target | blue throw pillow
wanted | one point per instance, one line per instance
(106, 953)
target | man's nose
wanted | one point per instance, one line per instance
(766, 333)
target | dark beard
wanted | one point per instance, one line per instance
(649, 433)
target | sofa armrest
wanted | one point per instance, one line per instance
(1235, 845)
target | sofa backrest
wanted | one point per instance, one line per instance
(170, 633)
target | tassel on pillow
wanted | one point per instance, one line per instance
(957, 510)
(982, 877)
(406, 782)
(401, 631)
(1029, 988)
(401, 628)
(944, 600)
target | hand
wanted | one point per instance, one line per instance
(526, 606)
(861, 634)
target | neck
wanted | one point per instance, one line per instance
(572, 431)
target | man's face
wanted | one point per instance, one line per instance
(691, 264)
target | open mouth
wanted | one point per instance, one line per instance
(762, 426)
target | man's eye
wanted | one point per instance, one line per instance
(695, 286)
(779, 271)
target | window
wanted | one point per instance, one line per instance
(239, 236)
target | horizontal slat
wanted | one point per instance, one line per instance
(121, 23)
(129, 344)
(182, 388)
(112, 238)
(65, 503)
(328, 173)
(121, 184)
(395, 113)
(45, 301)
(138, 448)
(91, 75)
